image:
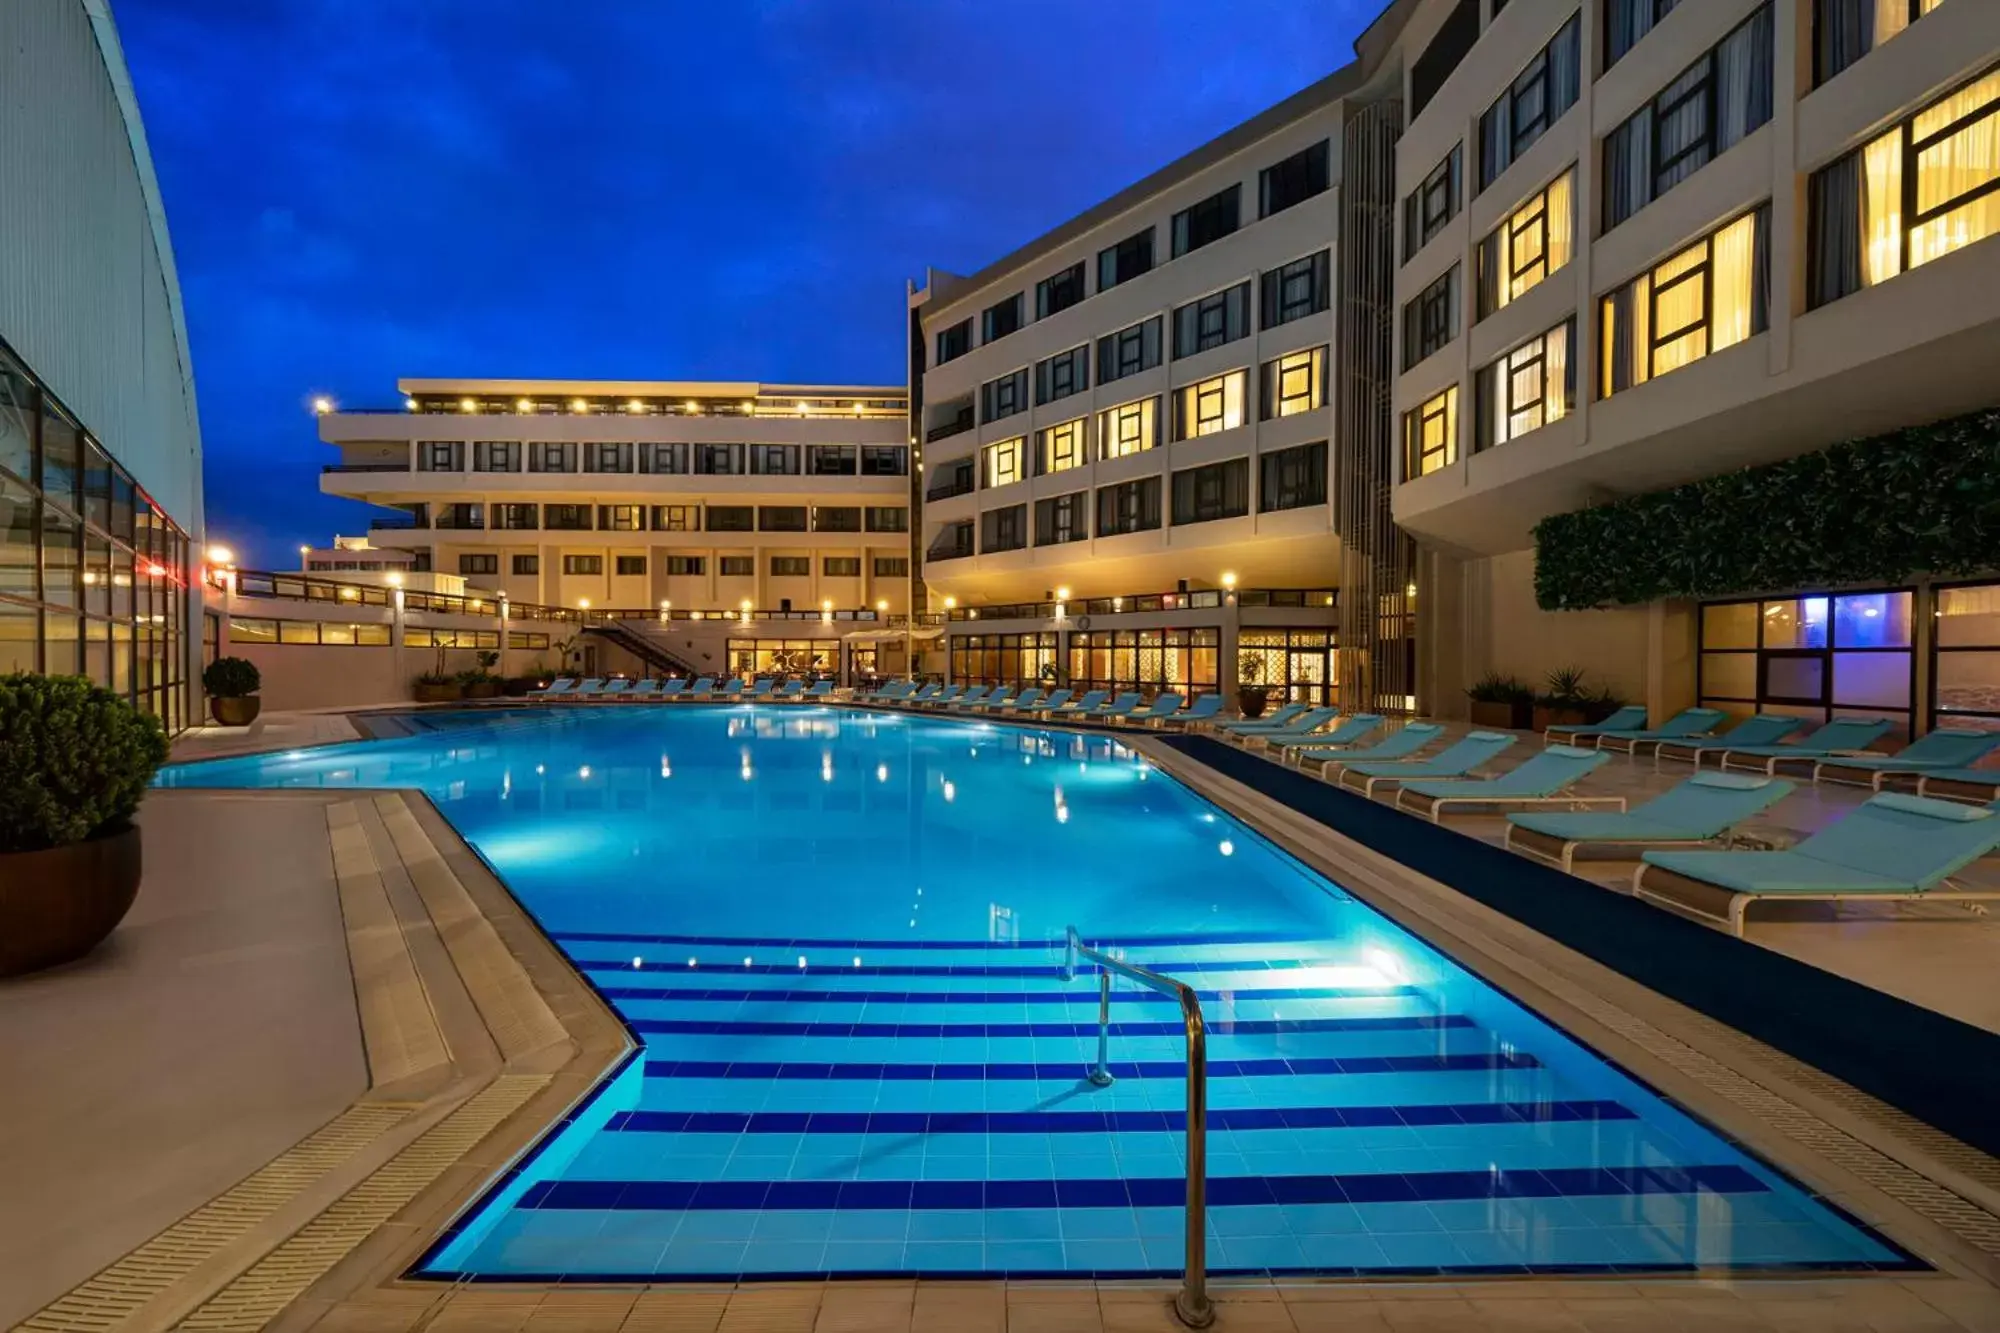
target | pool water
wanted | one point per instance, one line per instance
(838, 935)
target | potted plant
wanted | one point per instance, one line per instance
(74, 762)
(479, 682)
(231, 684)
(1501, 701)
(514, 687)
(1601, 705)
(1251, 694)
(1564, 702)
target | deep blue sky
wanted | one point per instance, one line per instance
(632, 189)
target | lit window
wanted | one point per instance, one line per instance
(1128, 429)
(1294, 383)
(1430, 435)
(1003, 462)
(1062, 448)
(1209, 407)
(1708, 297)
(1526, 389)
(1532, 243)
(1846, 30)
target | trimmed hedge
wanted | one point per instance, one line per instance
(75, 760)
(1925, 500)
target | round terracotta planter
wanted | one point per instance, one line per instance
(58, 904)
(235, 712)
(1251, 699)
(437, 694)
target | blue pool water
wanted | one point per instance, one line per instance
(838, 935)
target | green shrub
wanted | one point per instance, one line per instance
(1494, 688)
(231, 678)
(74, 760)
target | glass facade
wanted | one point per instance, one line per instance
(1146, 660)
(1965, 657)
(94, 577)
(1295, 665)
(1004, 659)
(1816, 656)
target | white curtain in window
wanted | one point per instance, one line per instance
(1954, 167)
(1743, 81)
(1882, 208)
(1562, 227)
(1734, 275)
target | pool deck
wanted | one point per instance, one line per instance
(333, 984)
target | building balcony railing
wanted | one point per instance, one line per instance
(955, 485)
(1200, 599)
(958, 425)
(956, 550)
(394, 523)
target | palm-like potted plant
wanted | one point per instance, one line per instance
(1501, 701)
(231, 684)
(1251, 694)
(75, 760)
(437, 685)
(479, 682)
(1564, 702)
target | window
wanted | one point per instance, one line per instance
(737, 566)
(1000, 319)
(1712, 295)
(517, 518)
(677, 518)
(479, 564)
(829, 460)
(440, 456)
(666, 460)
(1526, 389)
(1626, 21)
(583, 564)
(791, 566)
(892, 566)
(547, 457)
(1536, 100)
(1294, 383)
(885, 460)
(1815, 656)
(1924, 189)
(621, 518)
(954, 342)
(1124, 261)
(631, 566)
(1004, 397)
(841, 566)
(1428, 207)
(781, 518)
(774, 460)
(1292, 478)
(607, 457)
(1059, 292)
(718, 460)
(1714, 104)
(1218, 318)
(1294, 180)
(1062, 375)
(1296, 290)
(996, 659)
(1846, 30)
(1060, 448)
(836, 518)
(1145, 660)
(1062, 518)
(1128, 351)
(953, 542)
(1454, 40)
(1430, 320)
(243, 629)
(1208, 221)
(1131, 507)
(887, 518)
(1430, 435)
(449, 638)
(523, 639)
(461, 516)
(1003, 529)
(1129, 428)
(496, 456)
(1212, 406)
(682, 566)
(1534, 241)
(1001, 463)
(1217, 490)
(527, 566)
(731, 518)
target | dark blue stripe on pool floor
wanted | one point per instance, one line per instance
(1047, 971)
(1251, 1027)
(1052, 945)
(1110, 1122)
(1080, 995)
(1073, 1069)
(1142, 1192)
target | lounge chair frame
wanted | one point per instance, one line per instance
(1718, 905)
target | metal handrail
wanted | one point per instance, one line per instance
(1191, 1305)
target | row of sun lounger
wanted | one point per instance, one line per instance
(1097, 706)
(618, 689)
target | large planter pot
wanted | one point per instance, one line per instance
(1514, 716)
(485, 689)
(516, 687)
(1546, 717)
(58, 904)
(436, 694)
(1251, 699)
(239, 712)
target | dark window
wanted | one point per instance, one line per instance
(1062, 518)
(731, 518)
(1125, 261)
(954, 342)
(479, 564)
(1059, 292)
(953, 478)
(1454, 39)
(550, 457)
(1063, 374)
(841, 566)
(630, 565)
(667, 460)
(892, 566)
(888, 518)
(1004, 397)
(718, 460)
(461, 516)
(1714, 104)
(517, 518)
(843, 518)
(1208, 221)
(829, 460)
(527, 565)
(1626, 21)
(1295, 290)
(1292, 478)
(953, 542)
(1538, 97)
(1846, 30)
(1218, 318)
(684, 565)
(791, 566)
(1428, 207)
(774, 460)
(1000, 319)
(738, 566)
(621, 518)
(440, 456)
(583, 564)
(1128, 351)
(1004, 529)
(781, 518)
(496, 456)
(1430, 320)
(885, 460)
(611, 457)
(1294, 180)
(1214, 491)
(1131, 507)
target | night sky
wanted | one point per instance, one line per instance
(360, 190)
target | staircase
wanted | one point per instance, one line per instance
(648, 649)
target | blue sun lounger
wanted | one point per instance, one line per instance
(1894, 848)
(1544, 779)
(1300, 727)
(821, 689)
(1201, 710)
(590, 689)
(1049, 703)
(1077, 707)
(1469, 753)
(1687, 722)
(1759, 729)
(1282, 718)
(558, 687)
(791, 689)
(1695, 812)
(1632, 717)
(1351, 731)
(673, 689)
(1119, 708)
(646, 689)
(1962, 784)
(1840, 736)
(1401, 744)
(1939, 750)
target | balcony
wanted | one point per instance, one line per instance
(958, 483)
(958, 425)
(952, 544)
(394, 523)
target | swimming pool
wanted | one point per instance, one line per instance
(838, 935)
